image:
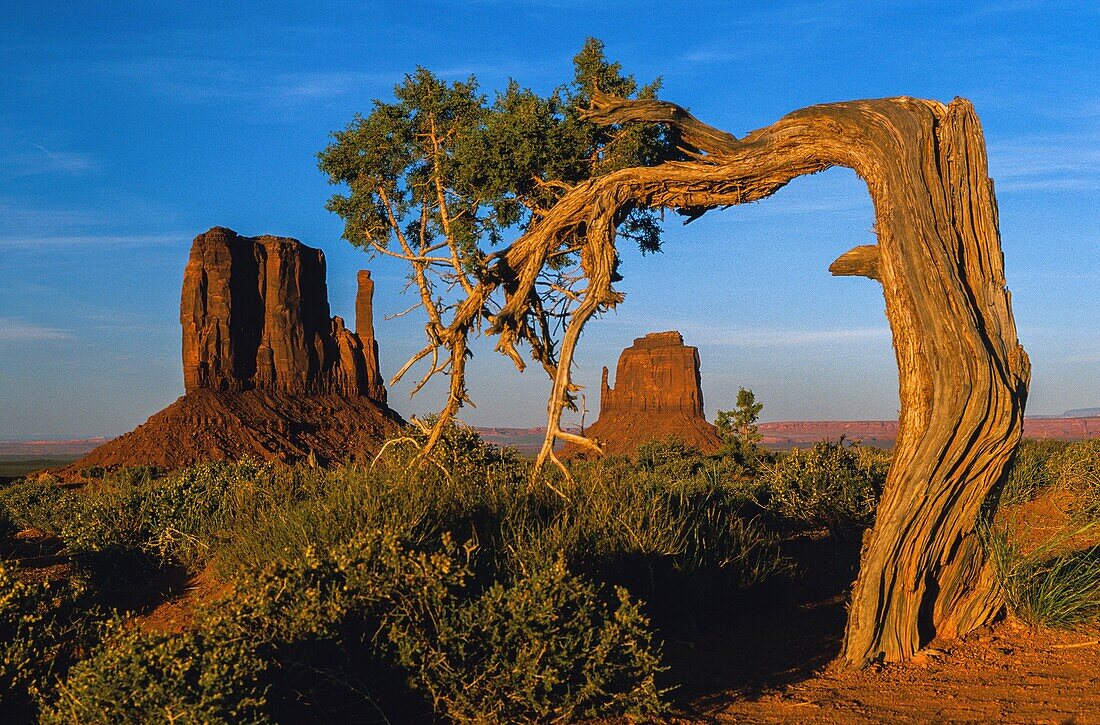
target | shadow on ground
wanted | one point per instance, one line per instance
(749, 642)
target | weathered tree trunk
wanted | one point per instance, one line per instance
(963, 384)
(962, 374)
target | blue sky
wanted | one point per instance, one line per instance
(128, 128)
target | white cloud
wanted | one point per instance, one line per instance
(92, 240)
(773, 337)
(44, 161)
(1052, 162)
(14, 330)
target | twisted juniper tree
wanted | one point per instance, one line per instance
(962, 374)
(442, 175)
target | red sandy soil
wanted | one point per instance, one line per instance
(209, 424)
(1006, 673)
(175, 613)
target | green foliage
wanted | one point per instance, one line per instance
(547, 648)
(646, 532)
(737, 427)
(612, 512)
(41, 625)
(671, 457)
(340, 575)
(246, 649)
(201, 676)
(32, 504)
(1051, 585)
(832, 485)
(1040, 464)
(443, 159)
(370, 578)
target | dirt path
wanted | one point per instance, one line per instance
(1004, 674)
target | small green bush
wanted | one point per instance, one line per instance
(202, 676)
(41, 626)
(33, 504)
(545, 649)
(832, 486)
(316, 594)
(1048, 585)
(671, 458)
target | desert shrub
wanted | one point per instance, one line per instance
(201, 676)
(183, 512)
(547, 648)
(1077, 467)
(41, 626)
(614, 521)
(33, 504)
(129, 520)
(460, 452)
(314, 594)
(671, 457)
(1030, 471)
(1047, 585)
(103, 528)
(248, 649)
(832, 486)
(643, 530)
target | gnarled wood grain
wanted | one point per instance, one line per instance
(962, 373)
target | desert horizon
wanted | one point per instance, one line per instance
(549, 362)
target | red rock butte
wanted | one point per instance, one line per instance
(658, 394)
(267, 372)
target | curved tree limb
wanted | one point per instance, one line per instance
(962, 373)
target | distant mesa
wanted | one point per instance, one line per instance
(657, 394)
(883, 433)
(1082, 413)
(267, 371)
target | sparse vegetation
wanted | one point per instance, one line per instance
(1054, 582)
(832, 486)
(494, 599)
(1051, 585)
(457, 587)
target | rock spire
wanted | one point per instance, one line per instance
(657, 394)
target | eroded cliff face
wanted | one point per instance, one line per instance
(255, 315)
(657, 374)
(267, 371)
(657, 394)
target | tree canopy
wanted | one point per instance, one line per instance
(963, 375)
(441, 175)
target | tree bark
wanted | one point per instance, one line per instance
(962, 374)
